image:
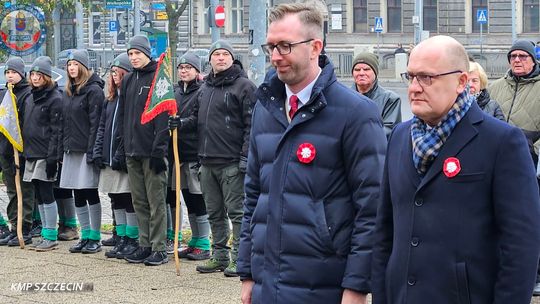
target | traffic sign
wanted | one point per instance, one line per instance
(220, 16)
(378, 25)
(120, 4)
(481, 16)
(113, 26)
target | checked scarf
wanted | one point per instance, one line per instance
(427, 143)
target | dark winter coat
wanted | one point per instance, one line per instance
(306, 230)
(489, 106)
(388, 103)
(473, 238)
(23, 93)
(138, 140)
(41, 126)
(186, 100)
(223, 116)
(80, 117)
(107, 133)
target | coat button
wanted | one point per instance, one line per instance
(303, 115)
(418, 202)
(415, 241)
(272, 98)
(411, 281)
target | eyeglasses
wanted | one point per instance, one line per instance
(424, 79)
(283, 48)
(186, 68)
(521, 57)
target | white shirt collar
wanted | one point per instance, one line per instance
(303, 95)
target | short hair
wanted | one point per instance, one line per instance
(308, 14)
(84, 76)
(476, 67)
(49, 82)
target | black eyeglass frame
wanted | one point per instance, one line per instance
(425, 79)
(269, 48)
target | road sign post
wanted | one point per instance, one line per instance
(378, 30)
(481, 18)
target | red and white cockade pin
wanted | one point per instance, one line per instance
(306, 153)
(451, 167)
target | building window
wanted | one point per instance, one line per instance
(430, 16)
(531, 9)
(394, 16)
(479, 5)
(360, 16)
(237, 16)
(203, 27)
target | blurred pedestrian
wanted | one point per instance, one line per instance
(478, 88)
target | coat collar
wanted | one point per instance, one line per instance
(464, 132)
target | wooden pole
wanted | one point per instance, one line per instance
(19, 199)
(178, 193)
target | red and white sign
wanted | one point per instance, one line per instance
(220, 16)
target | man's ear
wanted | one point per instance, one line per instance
(316, 48)
(463, 81)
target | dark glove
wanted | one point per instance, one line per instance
(158, 165)
(242, 165)
(98, 163)
(51, 168)
(174, 122)
(118, 163)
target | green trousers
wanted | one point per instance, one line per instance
(27, 190)
(223, 190)
(148, 191)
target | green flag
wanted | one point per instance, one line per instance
(161, 95)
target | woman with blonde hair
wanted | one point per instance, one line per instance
(113, 180)
(40, 132)
(478, 86)
(83, 100)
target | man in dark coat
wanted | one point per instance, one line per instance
(15, 75)
(458, 222)
(223, 119)
(365, 72)
(312, 185)
(143, 149)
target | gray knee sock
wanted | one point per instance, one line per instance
(193, 224)
(84, 217)
(131, 219)
(169, 218)
(203, 226)
(42, 214)
(51, 215)
(95, 217)
(69, 207)
(120, 216)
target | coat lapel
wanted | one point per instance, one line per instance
(463, 133)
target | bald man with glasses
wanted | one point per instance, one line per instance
(458, 222)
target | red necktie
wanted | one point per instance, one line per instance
(293, 102)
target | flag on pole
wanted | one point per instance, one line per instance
(161, 95)
(9, 119)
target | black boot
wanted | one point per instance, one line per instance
(12, 235)
(141, 254)
(36, 229)
(121, 243)
(91, 247)
(129, 248)
(4, 231)
(27, 238)
(111, 241)
(78, 247)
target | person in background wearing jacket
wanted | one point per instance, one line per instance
(83, 100)
(518, 94)
(143, 148)
(365, 71)
(40, 131)
(14, 73)
(478, 87)
(116, 183)
(223, 117)
(458, 219)
(189, 66)
(312, 186)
